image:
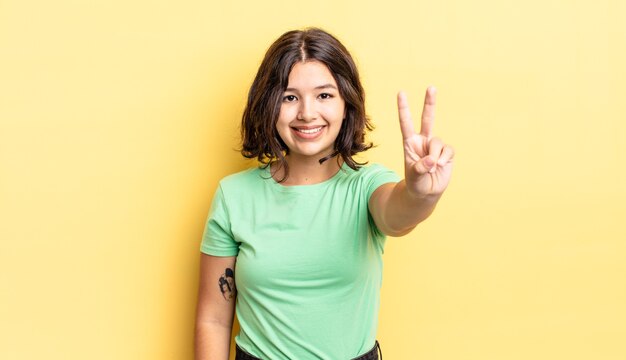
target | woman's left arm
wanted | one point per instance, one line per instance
(398, 208)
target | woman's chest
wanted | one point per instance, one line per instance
(304, 243)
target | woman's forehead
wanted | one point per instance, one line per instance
(310, 75)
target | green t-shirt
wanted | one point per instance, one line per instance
(309, 261)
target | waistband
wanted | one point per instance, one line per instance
(241, 354)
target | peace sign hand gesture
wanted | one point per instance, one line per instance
(427, 160)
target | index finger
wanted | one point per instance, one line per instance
(428, 113)
(406, 122)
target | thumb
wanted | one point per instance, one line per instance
(424, 165)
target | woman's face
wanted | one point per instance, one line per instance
(311, 112)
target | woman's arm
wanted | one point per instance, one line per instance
(398, 208)
(216, 306)
(395, 212)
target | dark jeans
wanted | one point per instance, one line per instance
(241, 354)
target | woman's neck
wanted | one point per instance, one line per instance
(306, 172)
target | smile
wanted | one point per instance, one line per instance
(309, 131)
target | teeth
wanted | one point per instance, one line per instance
(310, 131)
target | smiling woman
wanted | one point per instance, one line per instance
(297, 66)
(311, 113)
(302, 234)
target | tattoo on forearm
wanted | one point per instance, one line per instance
(227, 284)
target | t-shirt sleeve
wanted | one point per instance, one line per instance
(217, 239)
(376, 176)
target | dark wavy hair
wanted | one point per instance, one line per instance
(260, 139)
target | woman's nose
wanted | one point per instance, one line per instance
(307, 111)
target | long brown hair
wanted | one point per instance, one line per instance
(260, 139)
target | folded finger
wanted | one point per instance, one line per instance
(447, 154)
(435, 146)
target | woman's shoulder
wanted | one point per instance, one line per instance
(373, 167)
(369, 169)
(243, 179)
(372, 175)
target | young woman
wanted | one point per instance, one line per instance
(295, 245)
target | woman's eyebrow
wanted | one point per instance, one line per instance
(325, 86)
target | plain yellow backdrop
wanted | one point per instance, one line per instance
(118, 118)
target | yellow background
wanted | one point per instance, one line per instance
(118, 118)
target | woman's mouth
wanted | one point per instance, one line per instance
(309, 132)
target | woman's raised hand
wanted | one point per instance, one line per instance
(427, 160)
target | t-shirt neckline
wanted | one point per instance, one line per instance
(291, 188)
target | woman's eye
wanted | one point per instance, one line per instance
(325, 96)
(289, 98)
